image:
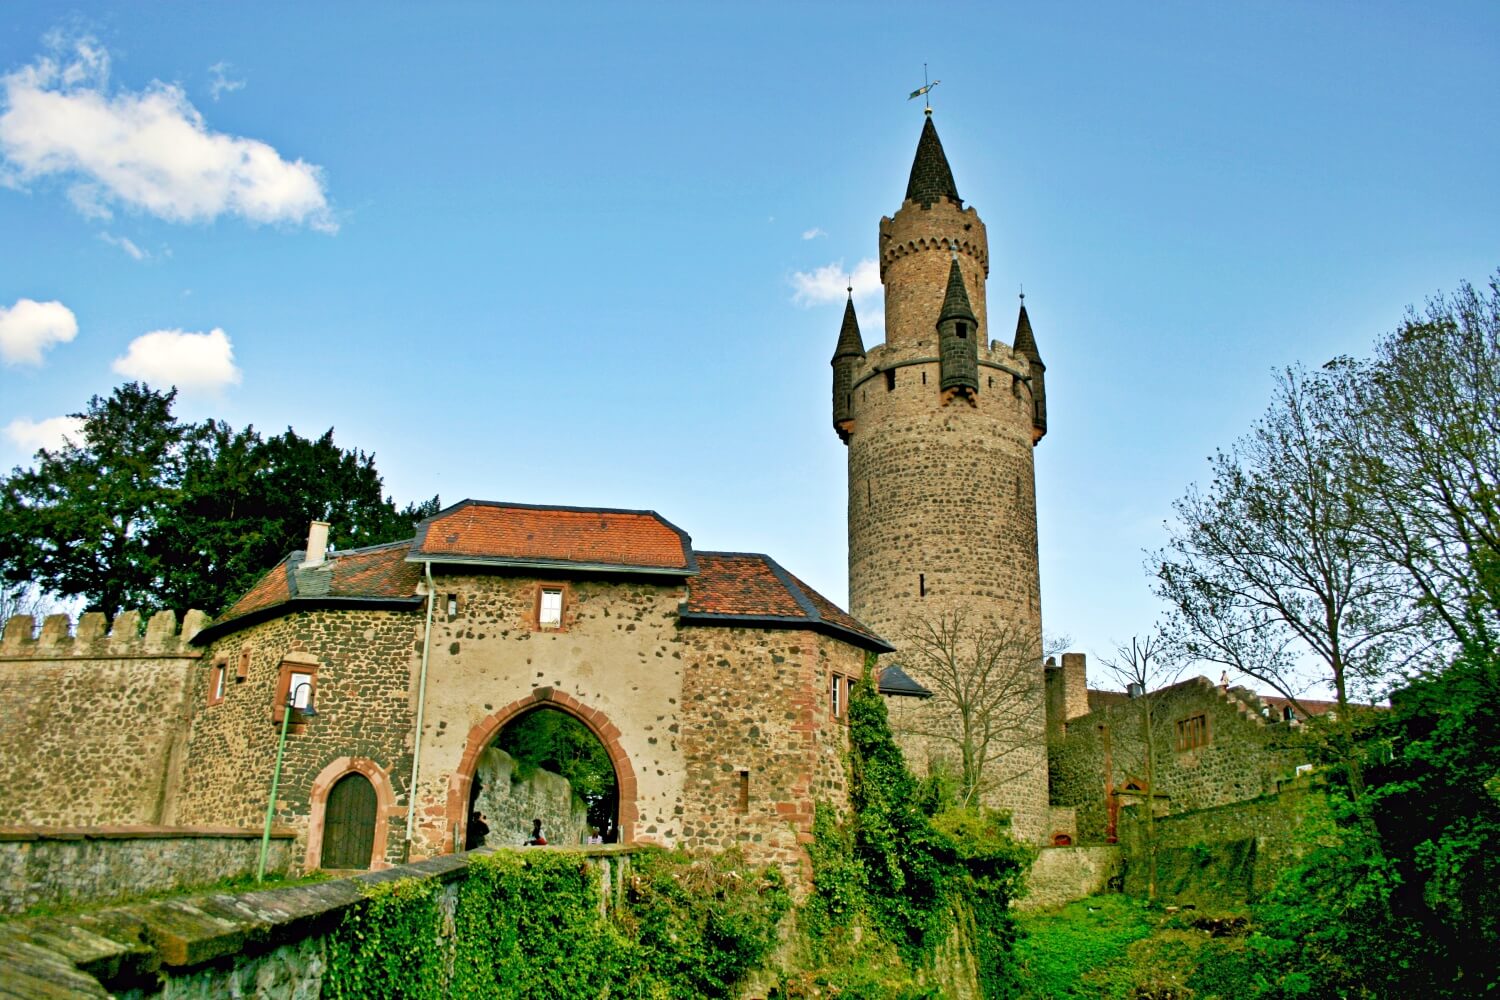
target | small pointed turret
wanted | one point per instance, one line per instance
(958, 338)
(931, 177)
(1025, 345)
(846, 358)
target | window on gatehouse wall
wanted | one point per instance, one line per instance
(839, 689)
(549, 608)
(1192, 732)
(299, 679)
(216, 680)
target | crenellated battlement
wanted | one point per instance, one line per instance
(124, 637)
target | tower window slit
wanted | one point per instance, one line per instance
(890, 379)
(963, 331)
(924, 378)
(921, 584)
(744, 803)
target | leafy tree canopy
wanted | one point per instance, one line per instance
(146, 511)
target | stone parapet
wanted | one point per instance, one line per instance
(56, 639)
(263, 943)
(81, 865)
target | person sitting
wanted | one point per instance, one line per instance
(536, 839)
(594, 837)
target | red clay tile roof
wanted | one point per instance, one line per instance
(269, 590)
(519, 534)
(724, 588)
(375, 573)
(747, 588)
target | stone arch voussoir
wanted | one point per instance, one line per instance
(484, 732)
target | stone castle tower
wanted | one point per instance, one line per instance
(940, 423)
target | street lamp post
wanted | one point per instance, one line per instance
(286, 718)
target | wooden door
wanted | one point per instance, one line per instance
(349, 823)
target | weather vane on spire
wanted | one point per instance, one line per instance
(926, 89)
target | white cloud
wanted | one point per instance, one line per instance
(194, 362)
(221, 84)
(830, 282)
(148, 150)
(30, 435)
(127, 244)
(27, 329)
(813, 233)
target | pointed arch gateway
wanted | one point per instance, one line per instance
(484, 733)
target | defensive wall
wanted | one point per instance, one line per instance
(1213, 746)
(269, 943)
(93, 722)
(1227, 854)
(61, 866)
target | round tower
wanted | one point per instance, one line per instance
(940, 423)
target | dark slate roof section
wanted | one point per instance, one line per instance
(850, 343)
(376, 576)
(574, 539)
(931, 177)
(753, 590)
(898, 683)
(956, 302)
(1025, 342)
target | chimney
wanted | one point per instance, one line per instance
(317, 545)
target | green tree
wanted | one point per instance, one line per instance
(145, 511)
(80, 523)
(1421, 435)
(246, 502)
(1268, 571)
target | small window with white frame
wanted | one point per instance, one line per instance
(549, 608)
(216, 680)
(836, 692)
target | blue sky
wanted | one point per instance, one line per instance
(579, 262)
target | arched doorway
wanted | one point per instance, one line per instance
(349, 823)
(544, 765)
(483, 735)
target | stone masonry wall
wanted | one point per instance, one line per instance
(1103, 751)
(1226, 854)
(271, 943)
(615, 664)
(1062, 874)
(89, 865)
(760, 743)
(365, 663)
(89, 734)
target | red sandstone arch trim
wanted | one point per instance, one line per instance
(484, 733)
(385, 808)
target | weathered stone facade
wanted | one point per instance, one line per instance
(364, 664)
(1213, 746)
(942, 491)
(92, 727)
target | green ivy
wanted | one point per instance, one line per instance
(910, 863)
(388, 947)
(529, 927)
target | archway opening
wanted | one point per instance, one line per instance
(544, 765)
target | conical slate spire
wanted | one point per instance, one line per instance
(1025, 342)
(931, 177)
(850, 344)
(956, 302)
